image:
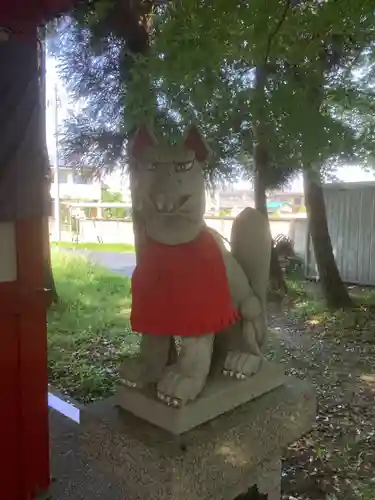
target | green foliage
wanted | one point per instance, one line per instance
(203, 59)
(88, 330)
(95, 50)
(109, 196)
(225, 212)
(199, 68)
(292, 264)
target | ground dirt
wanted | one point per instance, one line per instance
(337, 459)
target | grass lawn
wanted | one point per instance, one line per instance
(88, 331)
(97, 247)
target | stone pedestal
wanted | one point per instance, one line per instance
(217, 461)
(220, 395)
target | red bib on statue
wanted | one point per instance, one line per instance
(181, 290)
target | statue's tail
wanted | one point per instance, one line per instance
(251, 244)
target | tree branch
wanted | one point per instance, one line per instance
(276, 30)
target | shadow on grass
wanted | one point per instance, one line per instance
(313, 311)
(88, 330)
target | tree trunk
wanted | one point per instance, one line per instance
(277, 280)
(259, 181)
(334, 290)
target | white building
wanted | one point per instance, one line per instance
(74, 185)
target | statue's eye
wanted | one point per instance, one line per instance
(184, 166)
(151, 167)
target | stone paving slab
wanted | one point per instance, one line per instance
(127, 459)
(218, 460)
(75, 477)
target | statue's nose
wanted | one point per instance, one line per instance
(161, 203)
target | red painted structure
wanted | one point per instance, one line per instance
(23, 16)
(24, 439)
(24, 463)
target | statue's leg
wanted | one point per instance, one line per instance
(243, 341)
(149, 365)
(184, 380)
(246, 358)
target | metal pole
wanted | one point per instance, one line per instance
(56, 171)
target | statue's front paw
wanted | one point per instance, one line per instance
(176, 389)
(241, 365)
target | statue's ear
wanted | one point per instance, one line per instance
(194, 141)
(142, 139)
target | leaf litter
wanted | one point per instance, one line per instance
(336, 460)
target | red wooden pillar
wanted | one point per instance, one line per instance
(9, 407)
(24, 449)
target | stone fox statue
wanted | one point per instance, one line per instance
(187, 285)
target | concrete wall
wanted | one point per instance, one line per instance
(297, 231)
(121, 231)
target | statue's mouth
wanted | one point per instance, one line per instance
(167, 207)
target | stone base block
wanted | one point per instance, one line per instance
(219, 460)
(220, 395)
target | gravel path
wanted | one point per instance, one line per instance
(119, 263)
